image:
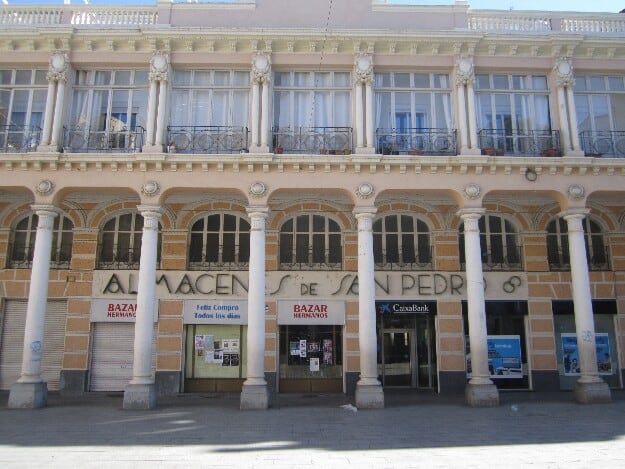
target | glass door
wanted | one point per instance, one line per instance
(398, 358)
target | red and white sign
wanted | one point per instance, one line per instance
(103, 310)
(311, 312)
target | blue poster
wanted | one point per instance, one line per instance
(571, 356)
(504, 357)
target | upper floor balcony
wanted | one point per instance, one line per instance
(416, 142)
(610, 144)
(499, 142)
(19, 138)
(322, 140)
(208, 139)
(82, 140)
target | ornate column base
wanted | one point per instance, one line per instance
(48, 149)
(365, 151)
(254, 397)
(592, 393)
(262, 149)
(140, 396)
(28, 395)
(465, 151)
(481, 395)
(369, 396)
(574, 153)
(153, 149)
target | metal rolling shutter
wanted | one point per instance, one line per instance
(112, 356)
(12, 343)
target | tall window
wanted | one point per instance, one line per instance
(401, 242)
(312, 99)
(22, 107)
(23, 242)
(120, 242)
(107, 104)
(310, 242)
(558, 252)
(499, 243)
(413, 100)
(600, 107)
(513, 112)
(210, 97)
(219, 241)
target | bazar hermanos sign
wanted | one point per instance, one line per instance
(339, 285)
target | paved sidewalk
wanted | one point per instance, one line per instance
(301, 431)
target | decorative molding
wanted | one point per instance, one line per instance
(564, 72)
(159, 66)
(58, 66)
(150, 188)
(365, 190)
(44, 187)
(465, 73)
(472, 191)
(261, 67)
(576, 192)
(258, 190)
(363, 67)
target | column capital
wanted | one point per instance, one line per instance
(365, 212)
(150, 210)
(43, 210)
(575, 213)
(471, 213)
(563, 69)
(261, 67)
(258, 211)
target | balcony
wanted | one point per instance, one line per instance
(609, 144)
(497, 258)
(499, 142)
(322, 140)
(416, 142)
(119, 258)
(19, 138)
(420, 260)
(22, 256)
(559, 260)
(208, 139)
(79, 140)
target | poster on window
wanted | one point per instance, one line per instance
(314, 364)
(294, 348)
(504, 357)
(570, 354)
(199, 342)
(302, 348)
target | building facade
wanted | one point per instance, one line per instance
(341, 197)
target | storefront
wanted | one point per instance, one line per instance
(112, 343)
(215, 345)
(604, 313)
(407, 344)
(507, 349)
(12, 323)
(311, 346)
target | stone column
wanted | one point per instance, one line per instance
(590, 388)
(480, 391)
(465, 78)
(254, 394)
(55, 102)
(565, 81)
(363, 72)
(261, 79)
(49, 114)
(140, 393)
(369, 393)
(575, 145)
(57, 126)
(157, 111)
(30, 391)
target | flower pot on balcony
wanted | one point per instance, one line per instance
(323, 151)
(278, 150)
(332, 152)
(549, 153)
(347, 151)
(415, 152)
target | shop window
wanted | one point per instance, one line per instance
(219, 241)
(311, 358)
(120, 242)
(310, 242)
(401, 242)
(215, 357)
(507, 351)
(558, 245)
(499, 243)
(23, 242)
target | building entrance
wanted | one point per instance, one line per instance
(407, 354)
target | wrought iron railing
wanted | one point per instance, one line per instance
(21, 257)
(19, 138)
(214, 266)
(323, 140)
(500, 142)
(329, 258)
(560, 261)
(604, 143)
(79, 140)
(118, 258)
(420, 260)
(427, 141)
(214, 139)
(505, 258)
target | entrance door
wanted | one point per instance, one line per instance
(407, 355)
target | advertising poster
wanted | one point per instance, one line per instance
(199, 342)
(314, 364)
(570, 354)
(504, 357)
(294, 348)
(302, 348)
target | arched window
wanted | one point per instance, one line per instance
(219, 241)
(23, 242)
(499, 243)
(401, 242)
(558, 245)
(120, 242)
(310, 242)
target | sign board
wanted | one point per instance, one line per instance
(405, 307)
(215, 312)
(570, 354)
(116, 310)
(311, 312)
(504, 357)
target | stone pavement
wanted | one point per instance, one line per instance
(415, 430)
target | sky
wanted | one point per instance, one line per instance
(611, 6)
